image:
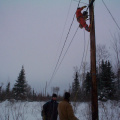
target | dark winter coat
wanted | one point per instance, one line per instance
(50, 111)
(65, 111)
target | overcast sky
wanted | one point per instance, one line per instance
(32, 34)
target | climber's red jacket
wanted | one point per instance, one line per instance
(81, 19)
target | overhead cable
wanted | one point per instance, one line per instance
(65, 23)
(111, 15)
(63, 47)
(67, 48)
(83, 53)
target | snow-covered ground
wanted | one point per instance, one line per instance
(109, 110)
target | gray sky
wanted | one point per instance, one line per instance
(32, 33)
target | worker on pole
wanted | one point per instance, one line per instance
(82, 17)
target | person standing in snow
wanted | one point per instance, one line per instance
(50, 111)
(65, 110)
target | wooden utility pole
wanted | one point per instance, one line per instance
(94, 97)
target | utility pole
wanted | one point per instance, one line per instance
(94, 97)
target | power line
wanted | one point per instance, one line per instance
(84, 45)
(81, 2)
(67, 49)
(60, 42)
(75, 97)
(65, 23)
(84, 48)
(111, 15)
(63, 47)
(83, 53)
(61, 52)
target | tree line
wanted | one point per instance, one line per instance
(107, 76)
(107, 84)
(108, 80)
(22, 91)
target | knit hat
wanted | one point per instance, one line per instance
(67, 95)
(54, 95)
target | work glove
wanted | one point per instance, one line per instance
(84, 6)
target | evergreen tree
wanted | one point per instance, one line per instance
(8, 91)
(20, 86)
(118, 84)
(76, 87)
(87, 83)
(102, 74)
(111, 82)
(106, 81)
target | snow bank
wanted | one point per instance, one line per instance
(109, 110)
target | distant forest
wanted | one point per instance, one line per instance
(107, 75)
